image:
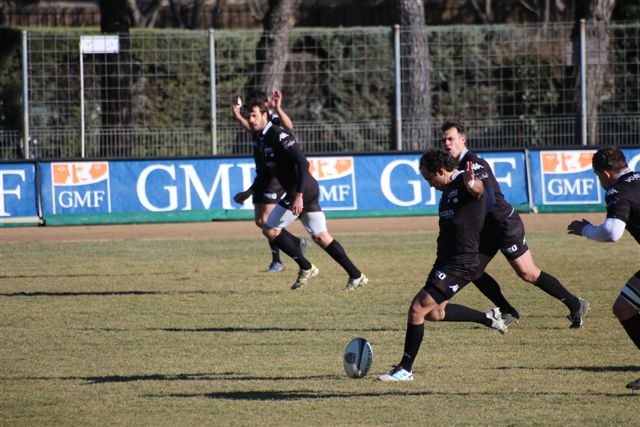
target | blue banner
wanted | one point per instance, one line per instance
(347, 183)
(562, 178)
(17, 191)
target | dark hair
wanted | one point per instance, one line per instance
(453, 124)
(258, 96)
(437, 158)
(609, 159)
(258, 102)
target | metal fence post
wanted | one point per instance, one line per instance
(398, 110)
(82, 124)
(212, 77)
(583, 81)
(25, 96)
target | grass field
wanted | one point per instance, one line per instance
(191, 332)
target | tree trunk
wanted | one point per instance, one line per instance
(116, 81)
(599, 84)
(416, 95)
(272, 51)
(598, 50)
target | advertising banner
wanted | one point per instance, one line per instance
(347, 183)
(18, 192)
(564, 179)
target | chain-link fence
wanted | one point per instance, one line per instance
(149, 93)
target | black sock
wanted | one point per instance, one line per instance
(275, 252)
(553, 287)
(337, 253)
(296, 239)
(289, 244)
(632, 326)
(412, 341)
(461, 313)
(490, 289)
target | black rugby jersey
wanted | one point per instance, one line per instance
(499, 207)
(266, 175)
(623, 202)
(281, 156)
(461, 220)
(257, 139)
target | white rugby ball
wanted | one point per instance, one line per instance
(358, 357)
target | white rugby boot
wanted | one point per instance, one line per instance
(496, 320)
(396, 374)
(354, 284)
(304, 276)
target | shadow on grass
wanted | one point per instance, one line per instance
(55, 276)
(629, 368)
(234, 329)
(597, 368)
(97, 293)
(303, 394)
(284, 395)
(222, 376)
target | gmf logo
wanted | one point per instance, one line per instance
(336, 178)
(80, 187)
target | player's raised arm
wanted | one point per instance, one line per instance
(237, 114)
(474, 186)
(276, 104)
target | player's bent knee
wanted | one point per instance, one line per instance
(322, 239)
(270, 233)
(528, 276)
(435, 316)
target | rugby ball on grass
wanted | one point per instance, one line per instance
(358, 357)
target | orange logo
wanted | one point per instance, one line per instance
(566, 161)
(79, 173)
(330, 167)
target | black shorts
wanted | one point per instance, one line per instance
(310, 201)
(442, 286)
(269, 194)
(506, 236)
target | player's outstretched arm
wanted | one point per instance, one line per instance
(611, 230)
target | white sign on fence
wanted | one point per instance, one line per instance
(99, 44)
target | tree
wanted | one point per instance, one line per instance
(416, 100)
(183, 18)
(597, 14)
(272, 50)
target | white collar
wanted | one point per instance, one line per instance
(464, 153)
(266, 128)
